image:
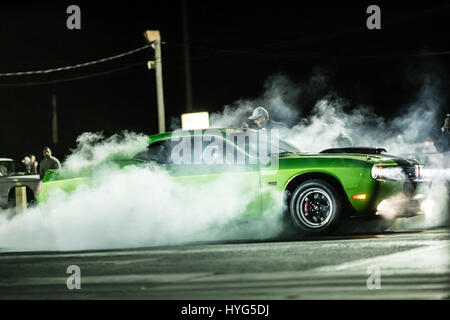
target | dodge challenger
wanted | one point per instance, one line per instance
(321, 190)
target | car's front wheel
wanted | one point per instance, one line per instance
(315, 207)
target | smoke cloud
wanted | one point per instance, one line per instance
(144, 206)
(332, 121)
(93, 149)
(136, 206)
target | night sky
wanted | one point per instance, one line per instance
(234, 45)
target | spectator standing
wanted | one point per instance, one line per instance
(34, 169)
(443, 137)
(261, 118)
(49, 162)
(28, 165)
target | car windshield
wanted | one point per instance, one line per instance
(271, 147)
(285, 147)
(7, 167)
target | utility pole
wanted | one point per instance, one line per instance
(154, 38)
(54, 121)
(187, 59)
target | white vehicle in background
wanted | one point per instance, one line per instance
(10, 178)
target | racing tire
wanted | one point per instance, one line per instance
(315, 208)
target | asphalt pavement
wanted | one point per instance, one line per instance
(390, 265)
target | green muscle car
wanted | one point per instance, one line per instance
(321, 190)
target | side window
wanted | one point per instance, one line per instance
(213, 147)
(158, 151)
(211, 150)
(228, 151)
(216, 149)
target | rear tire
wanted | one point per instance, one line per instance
(315, 208)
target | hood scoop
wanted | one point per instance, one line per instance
(362, 150)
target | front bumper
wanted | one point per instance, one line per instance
(400, 206)
(398, 198)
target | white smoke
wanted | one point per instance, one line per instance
(137, 206)
(278, 98)
(434, 207)
(145, 206)
(93, 149)
(331, 117)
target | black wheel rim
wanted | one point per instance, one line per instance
(314, 207)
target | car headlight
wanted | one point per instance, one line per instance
(397, 173)
(388, 173)
(377, 172)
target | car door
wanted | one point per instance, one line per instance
(208, 165)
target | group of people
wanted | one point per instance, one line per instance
(48, 162)
(30, 163)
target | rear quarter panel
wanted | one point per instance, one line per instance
(66, 185)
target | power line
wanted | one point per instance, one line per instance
(222, 51)
(76, 66)
(24, 84)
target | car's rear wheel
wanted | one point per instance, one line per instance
(315, 207)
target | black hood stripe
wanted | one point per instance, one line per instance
(401, 161)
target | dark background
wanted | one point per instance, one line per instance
(235, 47)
